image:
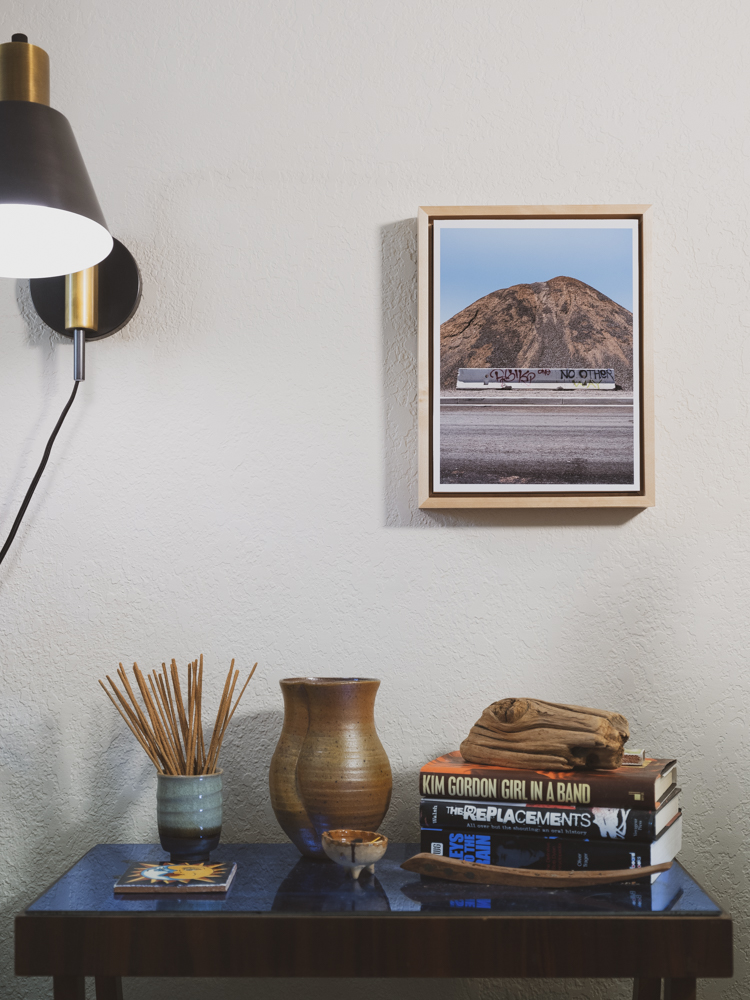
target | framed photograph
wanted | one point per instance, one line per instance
(534, 357)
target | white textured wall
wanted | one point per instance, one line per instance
(237, 476)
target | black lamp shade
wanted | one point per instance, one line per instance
(50, 219)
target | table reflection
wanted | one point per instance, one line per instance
(324, 887)
(273, 877)
(637, 896)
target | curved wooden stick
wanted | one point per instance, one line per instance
(469, 871)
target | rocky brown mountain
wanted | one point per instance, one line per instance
(561, 323)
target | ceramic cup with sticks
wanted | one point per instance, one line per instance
(189, 782)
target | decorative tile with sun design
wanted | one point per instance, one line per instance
(149, 876)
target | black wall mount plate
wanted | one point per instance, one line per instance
(119, 295)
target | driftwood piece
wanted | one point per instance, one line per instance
(544, 736)
(470, 871)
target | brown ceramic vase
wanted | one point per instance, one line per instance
(329, 770)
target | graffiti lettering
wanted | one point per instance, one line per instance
(536, 377)
(595, 374)
(511, 375)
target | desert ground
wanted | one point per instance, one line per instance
(536, 436)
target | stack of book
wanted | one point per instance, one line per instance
(560, 821)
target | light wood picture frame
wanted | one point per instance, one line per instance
(535, 368)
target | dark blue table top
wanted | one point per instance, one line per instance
(273, 878)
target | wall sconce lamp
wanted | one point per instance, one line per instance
(84, 283)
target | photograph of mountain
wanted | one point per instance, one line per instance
(560, 323)
(535, 347)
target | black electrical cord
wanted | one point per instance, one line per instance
(38, 476)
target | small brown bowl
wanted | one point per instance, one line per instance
(354, 849)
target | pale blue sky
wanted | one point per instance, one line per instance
(475, 262)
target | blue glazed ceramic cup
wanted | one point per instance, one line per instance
(188, 814)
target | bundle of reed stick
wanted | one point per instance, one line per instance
(170, 731)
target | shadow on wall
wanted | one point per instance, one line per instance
(246, 757)
(399, 323)
(401, 823)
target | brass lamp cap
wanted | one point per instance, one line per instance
(24, 72)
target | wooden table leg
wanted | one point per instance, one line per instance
(68, 988)
(108, 987)
(679, 989)
(647, 989)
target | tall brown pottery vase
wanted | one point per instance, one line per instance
(329, 770)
